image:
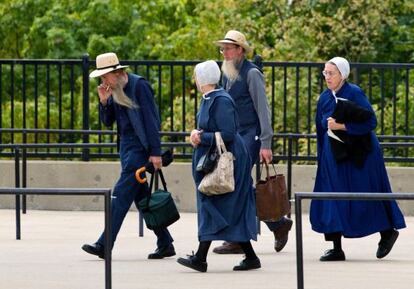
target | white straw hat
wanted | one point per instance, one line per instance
(105, 63)
(237, 38)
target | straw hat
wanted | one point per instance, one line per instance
(236, 38)
(105, 63)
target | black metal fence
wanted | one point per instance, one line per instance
(70, 192)
(58, 94)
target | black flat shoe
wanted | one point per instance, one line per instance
(192, 262)
(94, 249)
(385, 245)
(333, 255)
(247, 264)
(162, 252)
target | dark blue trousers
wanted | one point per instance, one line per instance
(128, 190)
(253, 144)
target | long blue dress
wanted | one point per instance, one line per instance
(353, 219)
(231, 216)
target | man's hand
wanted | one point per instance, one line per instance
(333, 125)
(266, 155)
(104, 91)
(156, 161)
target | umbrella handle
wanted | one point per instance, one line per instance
(138, 175)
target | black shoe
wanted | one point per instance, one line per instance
(94, 249)
(247, 264)
(192, 262)
(162, 252)
(281, 234)
(333, 255)
(385, 245)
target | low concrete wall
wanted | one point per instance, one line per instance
(73, 174)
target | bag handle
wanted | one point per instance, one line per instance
(221, 147)
(267, 169)
(164, 184)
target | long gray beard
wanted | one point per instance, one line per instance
(229, 69)
(119, 95)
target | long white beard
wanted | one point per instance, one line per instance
(229, 69)
(119, 95)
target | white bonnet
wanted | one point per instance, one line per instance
(207, 72)
(343, 66)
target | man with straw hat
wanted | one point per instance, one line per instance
(128, 100)
(245, 84)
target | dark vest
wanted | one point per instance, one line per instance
(239, 91)
(135, 115)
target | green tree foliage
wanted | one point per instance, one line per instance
(362, 30)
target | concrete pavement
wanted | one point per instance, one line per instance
(49, 256)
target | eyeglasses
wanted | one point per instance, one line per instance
(224, 49)
(329, 73)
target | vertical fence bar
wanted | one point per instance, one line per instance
(171, 98)
(72, 97)
(183, 102)
(85, 94)
(407, 108)
(299, 242)
(12, 100)
(273, 97)
(382, 86)
(160, 106)
(48, 100)
(60, 102)
(289, 166)
(297, 72)
(309, 107)
(1, 102)
(394, 101)
(284, 105)
(72, 106)
(24, 95)
(24, 172)
(36, 100)
(407, 103)
(17, 185)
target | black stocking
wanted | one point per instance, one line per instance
(248, 250)
(202, 251)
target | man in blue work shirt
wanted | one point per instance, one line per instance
(128, 100)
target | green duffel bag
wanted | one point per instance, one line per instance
(159, 209)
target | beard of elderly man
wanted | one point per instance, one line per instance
(230, 68)
(118, 93)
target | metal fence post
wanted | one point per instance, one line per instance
(17, 185)
(299, 241)
(24, 172)
(108, 241)
(85, 115)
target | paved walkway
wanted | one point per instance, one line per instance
(49, 256)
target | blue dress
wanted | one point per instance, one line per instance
(231, 216)
(353, 219)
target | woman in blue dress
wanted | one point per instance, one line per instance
(350, 219)
(229, 216)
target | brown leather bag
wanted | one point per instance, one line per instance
(272, 201)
